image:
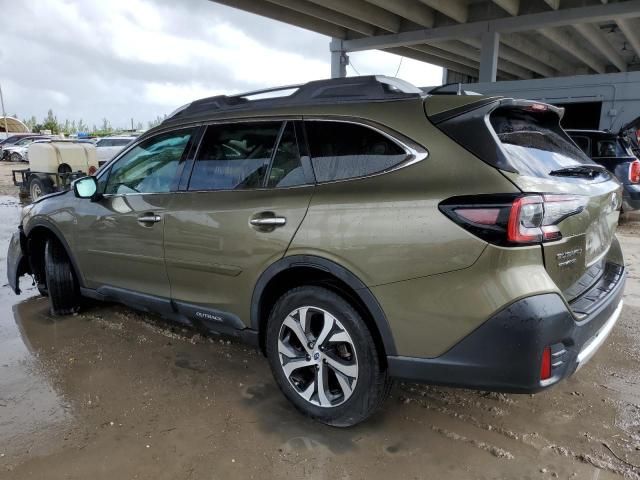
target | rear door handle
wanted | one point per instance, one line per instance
(149, 218)
(268, 222)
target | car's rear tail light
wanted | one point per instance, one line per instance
(525, 220)
(545, 365)
(92, 170)
(481, 216)
(634, 171)
(510, 220)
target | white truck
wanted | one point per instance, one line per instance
(53, 165)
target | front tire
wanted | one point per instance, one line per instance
(62, 285)
(324, 358)
(15, 157)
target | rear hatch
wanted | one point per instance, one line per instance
(569, 204)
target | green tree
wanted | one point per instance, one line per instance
(30, 122)
(106, 126)
(51, 122)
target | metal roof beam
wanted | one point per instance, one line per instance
(631, 33)
(595, 37)
(555, 4)
(365, 12)
(512, 7)
(472, 51)
(594, 13)
(328, 15)
(565, 41)
(408, 9)
(434, 60)
(456, 9)
(516, 57)
(285, 15)
(468, 56)
(526, 46)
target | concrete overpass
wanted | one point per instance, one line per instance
(475, 40)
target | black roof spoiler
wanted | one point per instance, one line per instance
(531, 105)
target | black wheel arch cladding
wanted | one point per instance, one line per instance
(364, 295)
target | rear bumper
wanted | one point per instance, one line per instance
(631, 197)
(505, 352)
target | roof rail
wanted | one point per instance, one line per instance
(336, 90)
(445, 89)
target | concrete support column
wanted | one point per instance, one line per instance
(489, 56)
(339, 59)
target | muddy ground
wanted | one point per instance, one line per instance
(112, 394)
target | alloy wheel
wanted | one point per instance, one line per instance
(318, 356)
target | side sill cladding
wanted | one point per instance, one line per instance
(309, 261)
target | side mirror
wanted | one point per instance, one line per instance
(86, 187)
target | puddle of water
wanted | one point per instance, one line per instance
(28, 402)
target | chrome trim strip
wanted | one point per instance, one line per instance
(598, 339)
(415, 152)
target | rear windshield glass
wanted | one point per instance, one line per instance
(534, 144)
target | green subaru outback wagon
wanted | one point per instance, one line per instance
(356, 230)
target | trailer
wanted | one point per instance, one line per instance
(53, 165)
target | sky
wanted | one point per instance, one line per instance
(123, 59)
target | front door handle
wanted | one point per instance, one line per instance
(149, 218)
(268, 222)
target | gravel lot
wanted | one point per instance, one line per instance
(114, 394)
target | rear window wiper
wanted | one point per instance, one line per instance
(589, 171)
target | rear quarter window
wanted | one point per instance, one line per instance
(341, 150)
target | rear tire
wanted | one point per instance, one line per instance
(62, 285)
(340, 380)
(39, 187)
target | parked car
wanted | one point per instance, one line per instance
(355, 230)
(53, 165)
(13, 138)
(108, 147)
(613, 151)
(17, 151)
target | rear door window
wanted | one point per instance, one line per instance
(234, 156)
(341, 150)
